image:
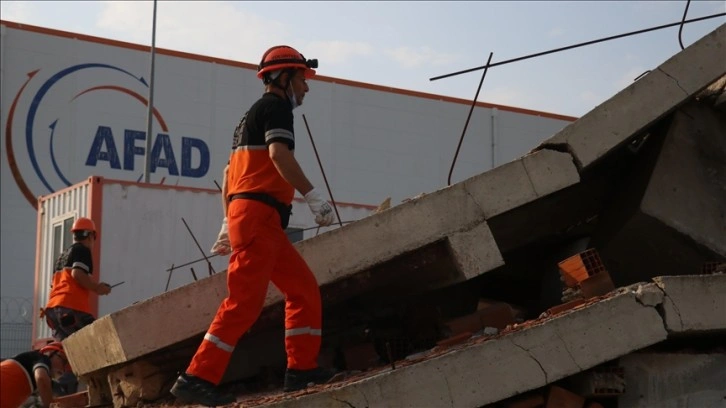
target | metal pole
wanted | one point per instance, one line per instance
(150, 110)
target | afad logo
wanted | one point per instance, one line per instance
(69, 127)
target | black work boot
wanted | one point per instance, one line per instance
(299, 379)
(191, 389)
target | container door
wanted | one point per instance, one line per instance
(60, 239)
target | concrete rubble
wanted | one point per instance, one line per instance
(487, 370)
(464, 281)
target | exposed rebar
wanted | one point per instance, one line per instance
(468, 117)
(211, 269)
(332, 200)
(680, 29)
(168, 279)
(150, 107)
(191, 262)
(614, 37)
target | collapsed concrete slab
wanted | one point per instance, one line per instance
(673, 380)
(672, 201)
(475, 224)
(488, 371)
(455, 215)
(650, 98)
(693, 305)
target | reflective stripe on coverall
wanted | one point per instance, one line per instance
(261, 252)
(15, 384)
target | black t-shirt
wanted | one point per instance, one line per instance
(32, 360)
(75, 256)
(269, 120)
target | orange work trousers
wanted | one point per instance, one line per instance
(15, 386)
(261, 253)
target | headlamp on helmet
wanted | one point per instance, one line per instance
(283, 57)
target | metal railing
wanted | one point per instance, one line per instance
(16, 325)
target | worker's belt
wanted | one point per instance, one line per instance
(282, 209)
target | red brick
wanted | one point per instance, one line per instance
(465, 324)
(597, 285)
(459, 338)
(79, 399)
(561, 398)
(566, 306)
(573, 270)
(497, 315)
(533, 401)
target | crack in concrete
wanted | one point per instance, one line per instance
(567, 349)
(660, 307)
(448, 388)
(365, 397)
(547, 381)
(674, 80)
(675, 307)
(531, 183)
(563, 148)
(344, 402)
(636, 290)
(482, 213)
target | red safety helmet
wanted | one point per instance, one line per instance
(55, 346)
(285, 57)
(83, 224)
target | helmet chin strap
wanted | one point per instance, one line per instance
(287, 89)
(291, 96)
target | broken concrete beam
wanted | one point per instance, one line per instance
(79, 399)
(443, 213)
(474, 251)
(673, 380)
(485, 372)
(600, 381)
(642, 103)
(137, 383)
(135, 331)
(455, 214)
(522, 181)
(687, 189)
(671, 203)
(693, 303)
(381, 237)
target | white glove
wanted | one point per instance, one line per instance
(222, 246)
(320, 208)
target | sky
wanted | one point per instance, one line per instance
(404, 44)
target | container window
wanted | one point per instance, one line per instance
(62, 238)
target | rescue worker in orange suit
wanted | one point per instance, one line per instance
(260, 182)
(68, 308)
(29, 372)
